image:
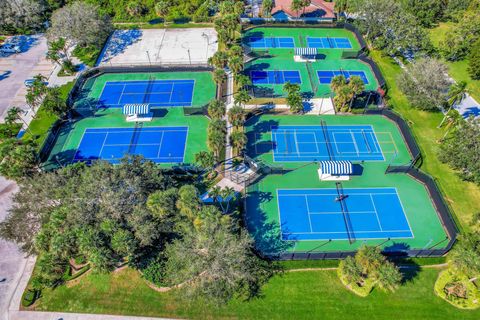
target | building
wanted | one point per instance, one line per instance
(317, 10)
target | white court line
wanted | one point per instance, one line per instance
(308, 213)
(160, 145)
(354, 142)
(339, 212)
(296, 141)
(121, 94)
(103, 145)
(376, 212)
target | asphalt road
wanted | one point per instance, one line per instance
(15, 68)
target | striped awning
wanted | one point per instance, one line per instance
(136, 108)
(305, 51)
(336, 167)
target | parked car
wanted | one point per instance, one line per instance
(9, 48)
(29, 82)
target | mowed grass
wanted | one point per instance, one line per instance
(456, 69)
(294, 295)
(463, 197)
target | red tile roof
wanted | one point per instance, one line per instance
(315, 5)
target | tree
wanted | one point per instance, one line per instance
(216, 142)
(235, 51)
(388, 276)
(456, 93)
(162, 203)
(54, 103)
(474, 61)
(425, 84)
(390, 28)
(205, 159)
(465, 256)
(243, 81)
(296, 6)
(21, 16)
(305, 4)
(36, 91)
(338, 82)
(18, 158)
(462, 150)
(80, 23)
(162, 9)
(216, 109)
(267, 6)
(458, 41)
(215, 263)
(350, 270)
(369, 259)
(427, 12)
(57, 50)
(135, 8)
(241, 97)
(235, 64)
(13, 115)
(294, 99)
(219, 76)
(218, 60)
(236, 116)
(238, 140)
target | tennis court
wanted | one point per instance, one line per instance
(342, 214)
(157, 93)
(329, 43)
(158, 144)
(271, 42)
(326, 76)
(275, 77)
(315, 143)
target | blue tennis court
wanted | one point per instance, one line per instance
(325, 77)
(271, 42)
(329, 43)
(157, 93)
(158, 144)
(275, 77)
(317, 214)
(316, 143)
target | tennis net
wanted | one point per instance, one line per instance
(148, 90)
(327, 140)
(310, 77)
(135, 137)
(346, 218)
(330, 42)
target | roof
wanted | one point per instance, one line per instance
(326, 9)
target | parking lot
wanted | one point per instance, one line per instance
(15, 68)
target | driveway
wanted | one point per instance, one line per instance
(15, 68)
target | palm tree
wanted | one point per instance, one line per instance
(465, 256)
(205, 159)
(337, 82)
(267, 6)
(305, 4)
(294, 101)
(296, 6)
(36, 91)
(453, 119)
(218, 60)
(235, 64)
(238, 140)
(241, 97)
(13, 115)
(236, 116)
(291, 87)
(388, 276)
(369, 258)
(235, 51)
(456, 94)
(215, 193)
(219, 76)
(350, 270)
(242, 81)
(216, 142)
(216, 109)
(217, 125)
(227, 194)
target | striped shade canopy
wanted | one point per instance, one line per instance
(136, 108)
(336, 167)
(305, 51)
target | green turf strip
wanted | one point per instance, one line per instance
(262, 215)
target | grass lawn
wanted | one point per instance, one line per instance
(38, 128)
(463, 197)
(295, 295)
(456, 69)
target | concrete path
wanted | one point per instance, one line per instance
(36, 315)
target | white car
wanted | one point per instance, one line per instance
(9, 48)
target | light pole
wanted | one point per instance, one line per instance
(148, 56)
(208, 43)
